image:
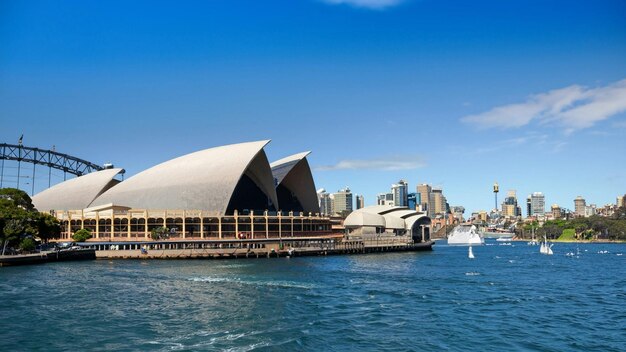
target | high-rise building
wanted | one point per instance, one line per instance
(342, 201)
(360, 201)
(326, 206)
(556, 211)
(424, 191)
(414, 201)
(538, 204)
(621, 201)
(579, 206)
(400, 193)
(438, 202)
(509, 206)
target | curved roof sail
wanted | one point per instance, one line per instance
(218, 180)
(76, 193)
(295, 187)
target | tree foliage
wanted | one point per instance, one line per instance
(593, 227)
(160, 233)
(81, 235)
(20, 220)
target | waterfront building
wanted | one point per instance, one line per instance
(590, 210)
(458, 211)
(400, 193)
(529, 207)
(538, 204)
(360, 201)
(556, 211)
(579, 206)
(218, 193)
(386, 223)
(343, 202)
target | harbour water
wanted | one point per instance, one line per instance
(509, 298)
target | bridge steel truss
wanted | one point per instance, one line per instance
(49, 158)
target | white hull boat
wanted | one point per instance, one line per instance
(464, 235)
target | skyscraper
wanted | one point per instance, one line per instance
(400, 193)
(360, 201)
(424, 191)
(343, 201)
(509, 206)
(414, 201)
(579, 206)
(438, 202)
(538, 204)
(326, 207)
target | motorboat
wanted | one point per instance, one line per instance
(465, 235)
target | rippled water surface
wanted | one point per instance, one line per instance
(509, 298)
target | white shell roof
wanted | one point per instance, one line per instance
(76, 193)
(202, 180)
(294, 173)
(394, 217)
(360, 218)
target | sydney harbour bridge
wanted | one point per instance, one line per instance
(26, 167)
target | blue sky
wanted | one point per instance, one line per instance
(458, 94)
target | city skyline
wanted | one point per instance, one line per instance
(459, 96)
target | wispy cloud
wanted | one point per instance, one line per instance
(385, 164)
(368, 4)
(573, 108)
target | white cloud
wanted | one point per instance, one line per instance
(574, 108)
(368, 4)
(384, 164)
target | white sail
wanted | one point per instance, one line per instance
(470, 254)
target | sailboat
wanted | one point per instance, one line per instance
(470, 253)
(545, 248)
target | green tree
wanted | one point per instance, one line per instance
(160, 233)
(17, 198)
(27, 245)
(48, 227)
(81, 235)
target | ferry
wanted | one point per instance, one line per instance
(465, 235)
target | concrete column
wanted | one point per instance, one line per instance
(252, 224)
(82, 219)
(219, 226)
(128, 224)
(291, 221)
(97, 224)
(145, 222)
(267, 226)
(201, 225)
(69, 225)
(236, 223)
(184, 225)
(112, 224)
(280, 224)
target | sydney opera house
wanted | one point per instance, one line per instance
(226, 192)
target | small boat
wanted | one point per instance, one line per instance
(545, 248)
(504, 239)
(465, 235)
